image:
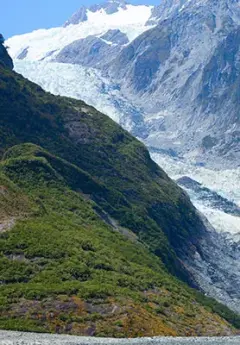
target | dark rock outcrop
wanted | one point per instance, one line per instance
(5, 59)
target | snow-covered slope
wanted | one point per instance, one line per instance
(43, 43)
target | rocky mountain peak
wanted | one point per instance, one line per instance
(109, 6)
(168, 8)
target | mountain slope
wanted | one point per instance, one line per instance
(74, 273)
(144, 195)
(184, 73)
(80, 258)
(179, 66)
(176, 88)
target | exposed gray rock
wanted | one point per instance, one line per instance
(78, 17)
(140, 61)
(164, 10)
(23, 54)
(91, 51)
(48, 55)
(110, 7)
(216, 268)
(185, 74)
(210, 197)
(116, 37)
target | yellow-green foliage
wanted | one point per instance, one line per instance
(64, 269)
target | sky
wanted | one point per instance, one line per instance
(22, 16)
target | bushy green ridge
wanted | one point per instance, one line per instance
(134, 190)
(63, 267)
(90, 226)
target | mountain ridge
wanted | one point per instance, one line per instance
(54, 255)
(109, 6)
(172, 78)
(174, 85)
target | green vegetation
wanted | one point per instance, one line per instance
(123, 180)
(63, 269)
(91, 229)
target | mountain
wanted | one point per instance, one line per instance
(176, 62)
(109, 7)
(169, 75)
(91, 227)
(184, 74)
(43, 44)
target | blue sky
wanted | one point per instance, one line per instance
(21, 16)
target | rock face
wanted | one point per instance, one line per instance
(216, 268)
(166, 9)
(185, 75)
(78, 17)
(110, 7)
(93, 51)
(5, 58)
(116, 37)
(214, 200)
(23, 54)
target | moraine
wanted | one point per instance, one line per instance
(12, 338)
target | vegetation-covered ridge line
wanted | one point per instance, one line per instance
(72, 130)
(64, 261)
(98, 228)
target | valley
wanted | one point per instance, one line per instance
(102, 234)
